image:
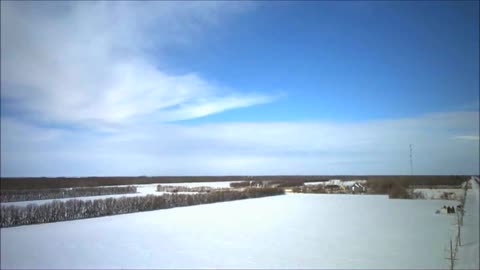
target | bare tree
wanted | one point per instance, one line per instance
(75, 209)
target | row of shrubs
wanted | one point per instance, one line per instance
(45, 194)
(78, 209)
(161, 188)
(310, 189)
(419, 180)
(287, 183)
(394, 189)
(276, 183)
(241, 184)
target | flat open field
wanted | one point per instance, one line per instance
(290, 231)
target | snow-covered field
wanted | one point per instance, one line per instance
(150, 187)
(337, 182)
(468, 253)
(225, 184)
(290, 231)
(142, 190)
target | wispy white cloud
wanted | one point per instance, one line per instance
(370, 147)
(90, 63)
(206, 106)
(468, 137)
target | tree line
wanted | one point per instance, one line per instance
(45, 194)
(310, 189)
(161, 188)
(79, 209)
(20, 183)
(270, 182)
(398, 188)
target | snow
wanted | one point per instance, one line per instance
(468, 253)
(223, 184)
(353, 182)
(290, 231)
(142, 190)
(337, 182)
(314, 183)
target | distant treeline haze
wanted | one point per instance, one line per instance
(167, 188)
(9, 183)
(398, 188)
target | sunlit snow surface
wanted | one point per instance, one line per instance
(289, 231)
(469, 252)
(337, 182)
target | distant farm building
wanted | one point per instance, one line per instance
(358, 188)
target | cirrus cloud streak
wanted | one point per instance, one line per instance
(91, 63)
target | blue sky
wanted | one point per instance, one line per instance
(371, 59)
(212, 88)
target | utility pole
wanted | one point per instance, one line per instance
(452, 258)
(411, 160)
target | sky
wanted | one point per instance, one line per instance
(239, 88)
